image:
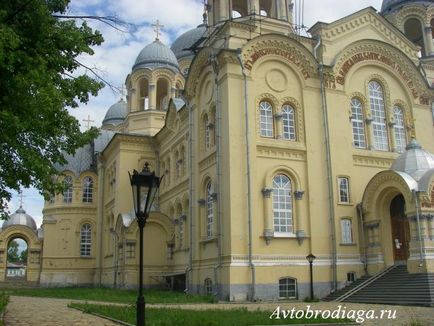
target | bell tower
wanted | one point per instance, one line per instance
(415, 19)
(223, 10)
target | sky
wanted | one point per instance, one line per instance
(114, 58)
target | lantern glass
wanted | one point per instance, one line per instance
(310, 258)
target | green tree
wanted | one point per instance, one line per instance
(23, 256)
(13, 256)
(39, 51)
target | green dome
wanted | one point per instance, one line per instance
(116, 114)
(156, 55)
(184, 42)
(390, 5)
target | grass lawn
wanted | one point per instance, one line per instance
(111, 295)
(4, 299)
(170, 317)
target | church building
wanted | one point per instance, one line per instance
(273, 145)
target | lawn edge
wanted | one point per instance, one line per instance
(120, 322)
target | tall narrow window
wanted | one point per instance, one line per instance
(87, 190)
(282, 204)
(347, 231)
(208, 286)
(381, 141)
(85, 240)
(209, 210)
(287, 288)
(344, 190)
(67, 192)
(181, 232)
(399, 129)
(359, 140)
(207, 132)
(266, 119)
(288, 120)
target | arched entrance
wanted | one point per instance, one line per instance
(400, 229)
(17, 256)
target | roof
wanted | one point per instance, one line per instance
(20, 217)
(391, 5)
(415, 161)
(116, 114)
(182, 45)
(156, 55)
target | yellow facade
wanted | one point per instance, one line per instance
(261, 162)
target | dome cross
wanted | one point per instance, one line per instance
(157, 29)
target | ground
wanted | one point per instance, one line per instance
(54, 312)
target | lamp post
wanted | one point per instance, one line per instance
(144, 185)
(310, 258)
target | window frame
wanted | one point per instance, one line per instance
(87, 196)
(379, 117)
(266, 119)
(294, 280)
(347, 234)
(68, 192)
(358, 124)
(399, 129)
(86, 240)
(289, 122)
(283, 206)
(348, 192)
(209, 210)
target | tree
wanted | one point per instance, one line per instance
(39, 52)
(23, 256)
(13, 256)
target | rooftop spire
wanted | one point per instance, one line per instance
(205, 12)
(157, 29)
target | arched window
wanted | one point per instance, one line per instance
(209, 210)
(177, 165)
(282, 204)
(266, 119)
(87, 190)
(358, 122)
(85, 240)
(67, 192)
(287, 288)
(208, 286)
(288, 121)
(381, 141)
(413, 30)
(399, 129)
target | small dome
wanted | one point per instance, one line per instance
(184, 42)
(116, 114)
(20, 218)
(156, 55)
(390, 5)
(414, 161)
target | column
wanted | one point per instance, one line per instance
(369, 133)
(429, 46)
(278, 123)
(152, 93)
(282, 12)
(224, 10)
(268, 214)
(254, 7)
(300, 225)
(392, 136)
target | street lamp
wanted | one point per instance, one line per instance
(310, 258)
(145, 185)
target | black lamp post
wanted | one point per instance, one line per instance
(310, 258)
(145, 185)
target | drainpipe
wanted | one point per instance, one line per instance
(217, 125)
(419, 231)
(329, 165)
(189, 270)
(363, 242)
(115, 256)
(249, 186)
(100, 215)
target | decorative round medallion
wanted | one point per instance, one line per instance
(276, 80)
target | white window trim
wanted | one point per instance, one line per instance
(345, 240)
(339, 178)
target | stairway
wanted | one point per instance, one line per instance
(395, 286)
(335, 295)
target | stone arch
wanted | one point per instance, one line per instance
(386, 95)
(282, 169)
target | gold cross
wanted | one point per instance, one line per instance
(157, 29)
(88, 122)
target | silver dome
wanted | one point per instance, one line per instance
(414, 161)
(116, 114)
(390, 5)
(184, 42)
(156, 55)
(20, 218)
